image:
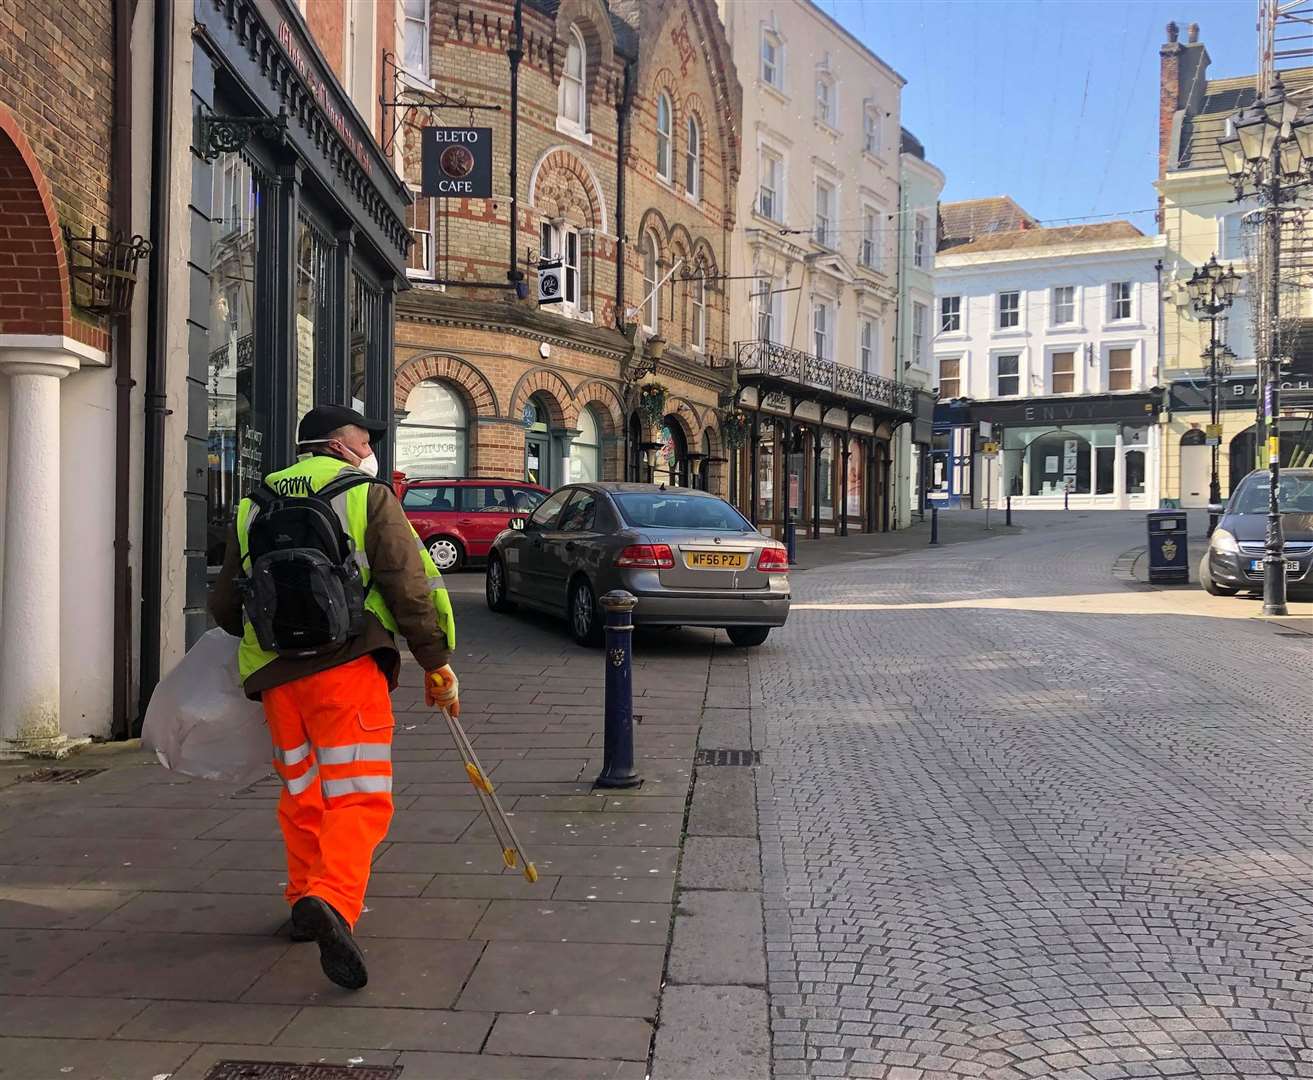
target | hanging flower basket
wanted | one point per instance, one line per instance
(652, 403)
(734, 429)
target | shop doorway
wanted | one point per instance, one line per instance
(537, 445)
(1196, 466)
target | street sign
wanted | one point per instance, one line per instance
(456, 162)
(550, 289)
(1213, 431)
(990, 449)
(986, 428)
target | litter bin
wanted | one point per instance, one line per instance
(1168, 558)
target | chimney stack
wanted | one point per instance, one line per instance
(1192, 34)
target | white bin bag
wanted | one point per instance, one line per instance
(201, 724)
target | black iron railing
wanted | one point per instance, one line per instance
(768, 359)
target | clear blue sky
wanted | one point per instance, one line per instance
(1054, 102)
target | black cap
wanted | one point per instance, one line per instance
(321, 421)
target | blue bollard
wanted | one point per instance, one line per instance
(1066, 498)
(618, 748)
(791, 541)
(934, 526)
(1008, 520)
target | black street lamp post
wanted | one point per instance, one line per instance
(1269, 157)
(1211, 291)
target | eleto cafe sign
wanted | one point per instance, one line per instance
(319, 89)
(456, 162)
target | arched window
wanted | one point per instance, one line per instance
(586, 450)
(693, 160)
(1059, 460)
(697, 311)
(663, 137)
(432, 432)
(573, 106)
(538, 464)
(672, 457)
(652, 306)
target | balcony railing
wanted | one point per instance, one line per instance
(770, 360)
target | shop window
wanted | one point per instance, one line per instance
(693, 160)
(663, 137)
(366, 336)
(236, 427)
(432, 432)
(1059, 461)
(672, 456)
(826, 491)
(420, 220)
(853, 481)
(1135, 472)
(1062, 372)
(767, 451)
(313, 249)
(586, 450)
(415, 56)
(1119, 369)
(573, 104)
(1009, 376)
(950, 378)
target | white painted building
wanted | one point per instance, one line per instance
(1050, 339)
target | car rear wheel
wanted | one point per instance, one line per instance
(494, 587)
(446, 553)
(585, 625)
(747, 636)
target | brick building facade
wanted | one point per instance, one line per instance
(492, 384)
(57, 98)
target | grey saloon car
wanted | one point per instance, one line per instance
(690, 558)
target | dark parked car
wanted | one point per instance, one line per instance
(1234, 560)
(690, 558)
(458, 519)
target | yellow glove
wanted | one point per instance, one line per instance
(442, 690)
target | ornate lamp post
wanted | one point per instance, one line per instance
(1268, 158)
(1211, 291)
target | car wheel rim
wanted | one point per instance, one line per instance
(494, 581)
(443, 553)
(583, 611)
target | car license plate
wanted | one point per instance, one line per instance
(1256, 566)
(715, 560)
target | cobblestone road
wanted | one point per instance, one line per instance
(1008, 833)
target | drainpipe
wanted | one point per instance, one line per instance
(121, 223)
(622, 113)
(152, 509)
(515, 53)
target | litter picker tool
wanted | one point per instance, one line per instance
(511, 848)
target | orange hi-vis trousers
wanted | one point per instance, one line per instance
(332, 736)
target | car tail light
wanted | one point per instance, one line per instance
(646, 557)
(774, 560)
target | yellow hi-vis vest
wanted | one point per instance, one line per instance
(352, 508)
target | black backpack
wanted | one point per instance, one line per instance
(302, 595)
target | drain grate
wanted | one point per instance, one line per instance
(57, 776)
(728, 757)
(287, 1070)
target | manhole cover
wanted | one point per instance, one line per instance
(57, 776)
(728, 757)
(287, 1070)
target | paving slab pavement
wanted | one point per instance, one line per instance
(143, 930)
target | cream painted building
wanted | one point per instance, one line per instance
(816, 246)
(1200, 218)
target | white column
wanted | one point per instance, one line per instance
(29, 644)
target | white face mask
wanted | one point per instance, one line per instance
(369, 464)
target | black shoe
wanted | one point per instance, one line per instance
(298, 933)
(339, 955)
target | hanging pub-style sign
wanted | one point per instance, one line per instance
(456, 162)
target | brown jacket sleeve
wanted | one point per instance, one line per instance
(397, 571)
(225, 604)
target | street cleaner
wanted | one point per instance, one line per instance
(321, 572)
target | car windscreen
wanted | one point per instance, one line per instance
(1294, 496)
(670, 510)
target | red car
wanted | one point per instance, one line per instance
(458, 519)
